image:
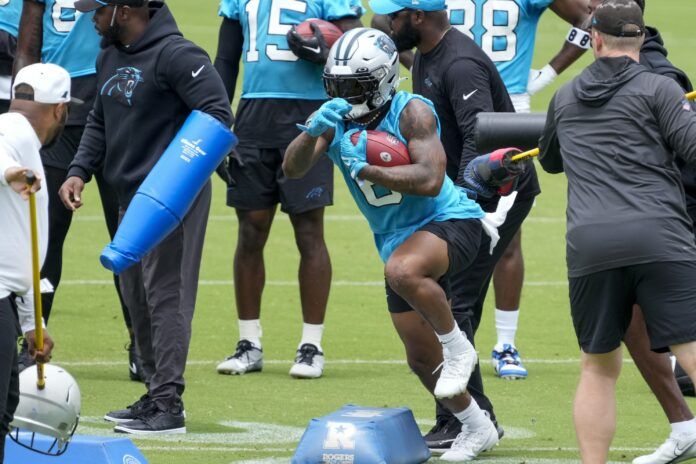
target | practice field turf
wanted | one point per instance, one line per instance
(259, 417)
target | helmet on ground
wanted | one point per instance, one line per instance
(363, 69)
(53, 411)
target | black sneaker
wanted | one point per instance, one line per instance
(135, 370)
(445, 431)
(24, 359)
(156, 421)
(132, 412)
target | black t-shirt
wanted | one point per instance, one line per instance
(462, 81)
(271, 122)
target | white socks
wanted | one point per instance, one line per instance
(683, 428)
(506, 327)
(454, 342)
(473, 416)
(250, 330)
(312, 333)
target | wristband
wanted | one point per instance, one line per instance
(579, 38)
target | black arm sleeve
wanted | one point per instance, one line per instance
(92, 150)
(189, 72)
(467, 84)
(549, 147)
(229, 52)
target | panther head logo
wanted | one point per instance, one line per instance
(122, 85)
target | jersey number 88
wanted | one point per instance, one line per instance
(462, 15)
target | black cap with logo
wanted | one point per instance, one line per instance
(620, 18)
(90, 5)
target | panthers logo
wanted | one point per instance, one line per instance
(122, 85)
(386, 45)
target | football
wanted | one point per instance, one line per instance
(384, 149)
(330, 31)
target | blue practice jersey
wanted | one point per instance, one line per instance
(271, 69)
(393, 216)
(505, 30)
(69, 38)
(10, 12)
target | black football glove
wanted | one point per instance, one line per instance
(313, 50)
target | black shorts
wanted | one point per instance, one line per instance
(61, 153)
(602, 304)
(463, 237)
(258, 182)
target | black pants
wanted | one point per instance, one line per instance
(469, 290)
(9, 376)
(59, 220)
(160, 293)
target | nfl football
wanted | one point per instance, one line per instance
(384, 149)
(330, 31)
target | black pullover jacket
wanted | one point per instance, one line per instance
(145, 92)
(614, 131)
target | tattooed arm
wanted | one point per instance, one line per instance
(30, 38)
(425, 175)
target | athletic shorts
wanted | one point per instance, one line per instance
(258, 182)
(602, 304)
(463, 237)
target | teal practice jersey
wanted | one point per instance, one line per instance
(69, 38)
(271, 69)
(505, 30)
(10, 12)
(393, 216)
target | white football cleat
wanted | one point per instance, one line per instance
(455, 373)
(674, 449)
(309, 362)
(470, 443)
(247, 358)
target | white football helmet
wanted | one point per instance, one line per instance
(362, 68)
(53, 411)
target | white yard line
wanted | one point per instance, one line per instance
(376, 362)
(327, 218)
(293, 283)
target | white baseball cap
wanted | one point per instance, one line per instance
(51, 84)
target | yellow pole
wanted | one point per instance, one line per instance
(36, 276)
(535, 152)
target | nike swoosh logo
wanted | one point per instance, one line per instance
(196, 73)
(468, 96)
(315, 50)
(133, 368)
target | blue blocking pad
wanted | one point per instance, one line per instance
(361, 435)
(82, 449)
(166, 195)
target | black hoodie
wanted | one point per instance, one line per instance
(653, 56)
(145, 92)
(613, 130)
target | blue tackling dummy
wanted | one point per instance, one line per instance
(165, 196)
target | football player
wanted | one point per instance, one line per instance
(279, 90)
(425, 227)
(506, 32)
(53, 31)
(9, 23)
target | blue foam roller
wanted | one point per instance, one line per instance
(166, 194)
(360, 435)
(82, 450)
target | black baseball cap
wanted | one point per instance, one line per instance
(86, 6)
(614, 17)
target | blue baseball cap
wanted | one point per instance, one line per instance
(392, 6)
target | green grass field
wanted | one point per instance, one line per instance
(259, 418)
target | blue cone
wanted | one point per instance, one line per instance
(165, 196)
